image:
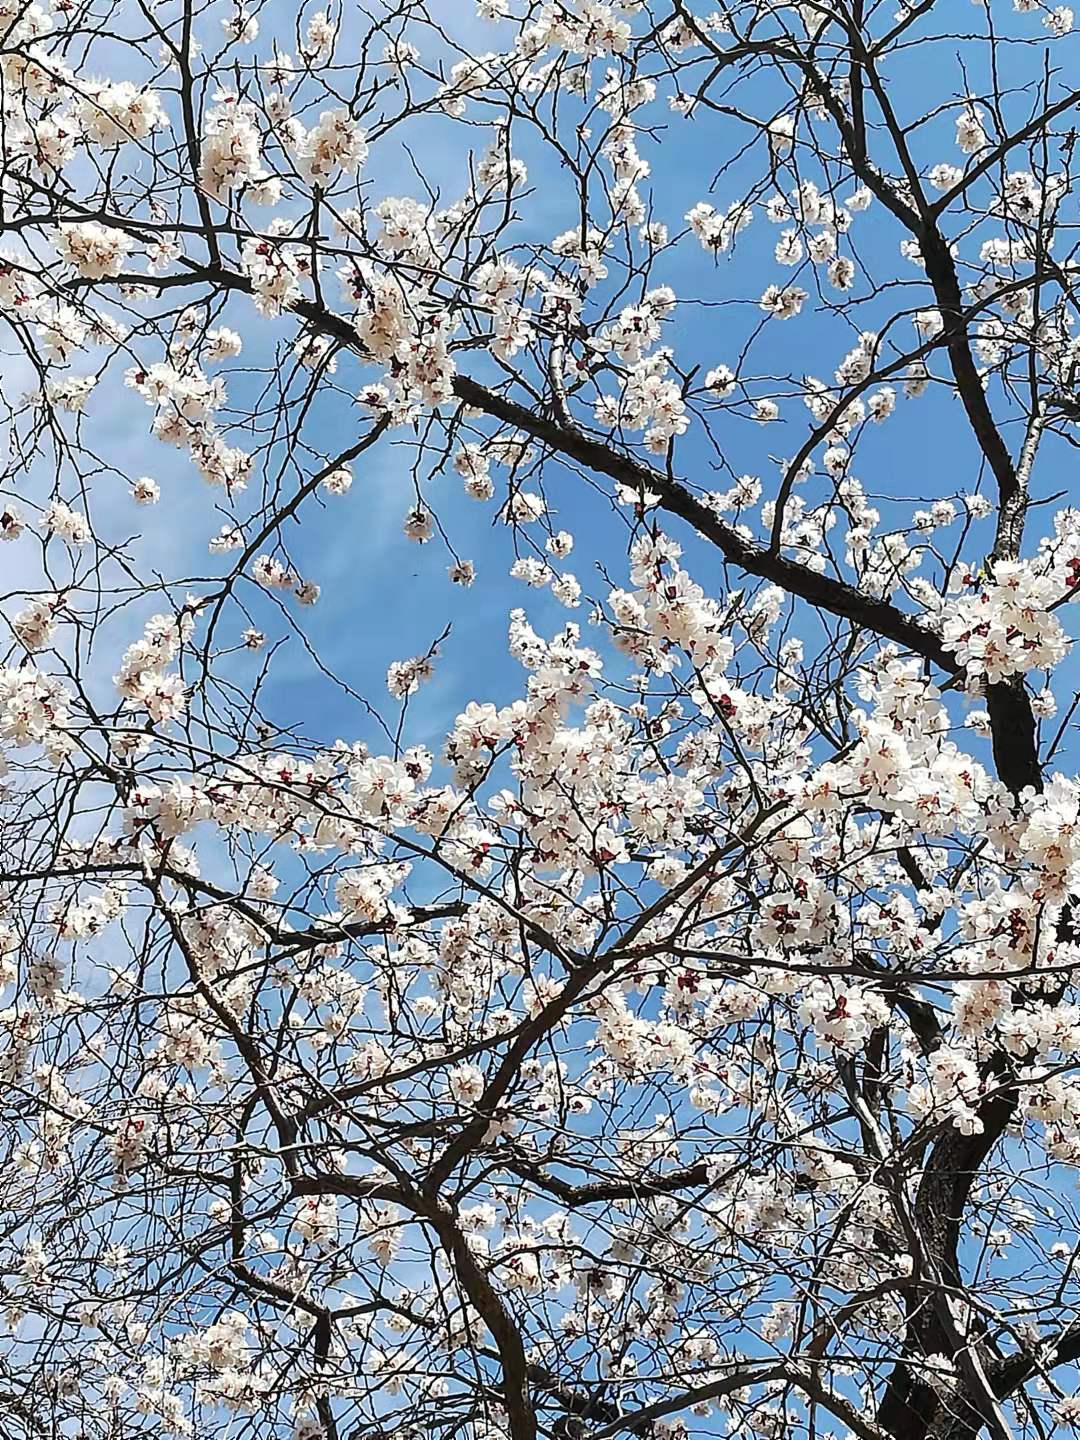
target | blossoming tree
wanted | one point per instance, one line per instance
(687, 1041)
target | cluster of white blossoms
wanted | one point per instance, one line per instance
(94, 250)
(1008, 626)
(272, 573)
(405, 677)
(400, 328)
(110, 113)
(275, 274)
(649, 401)
(231, 148)
(143, 679)
(185, 401)
(35, 624)
(669, 612)
(335, 142)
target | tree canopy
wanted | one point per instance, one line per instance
(540, 831)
